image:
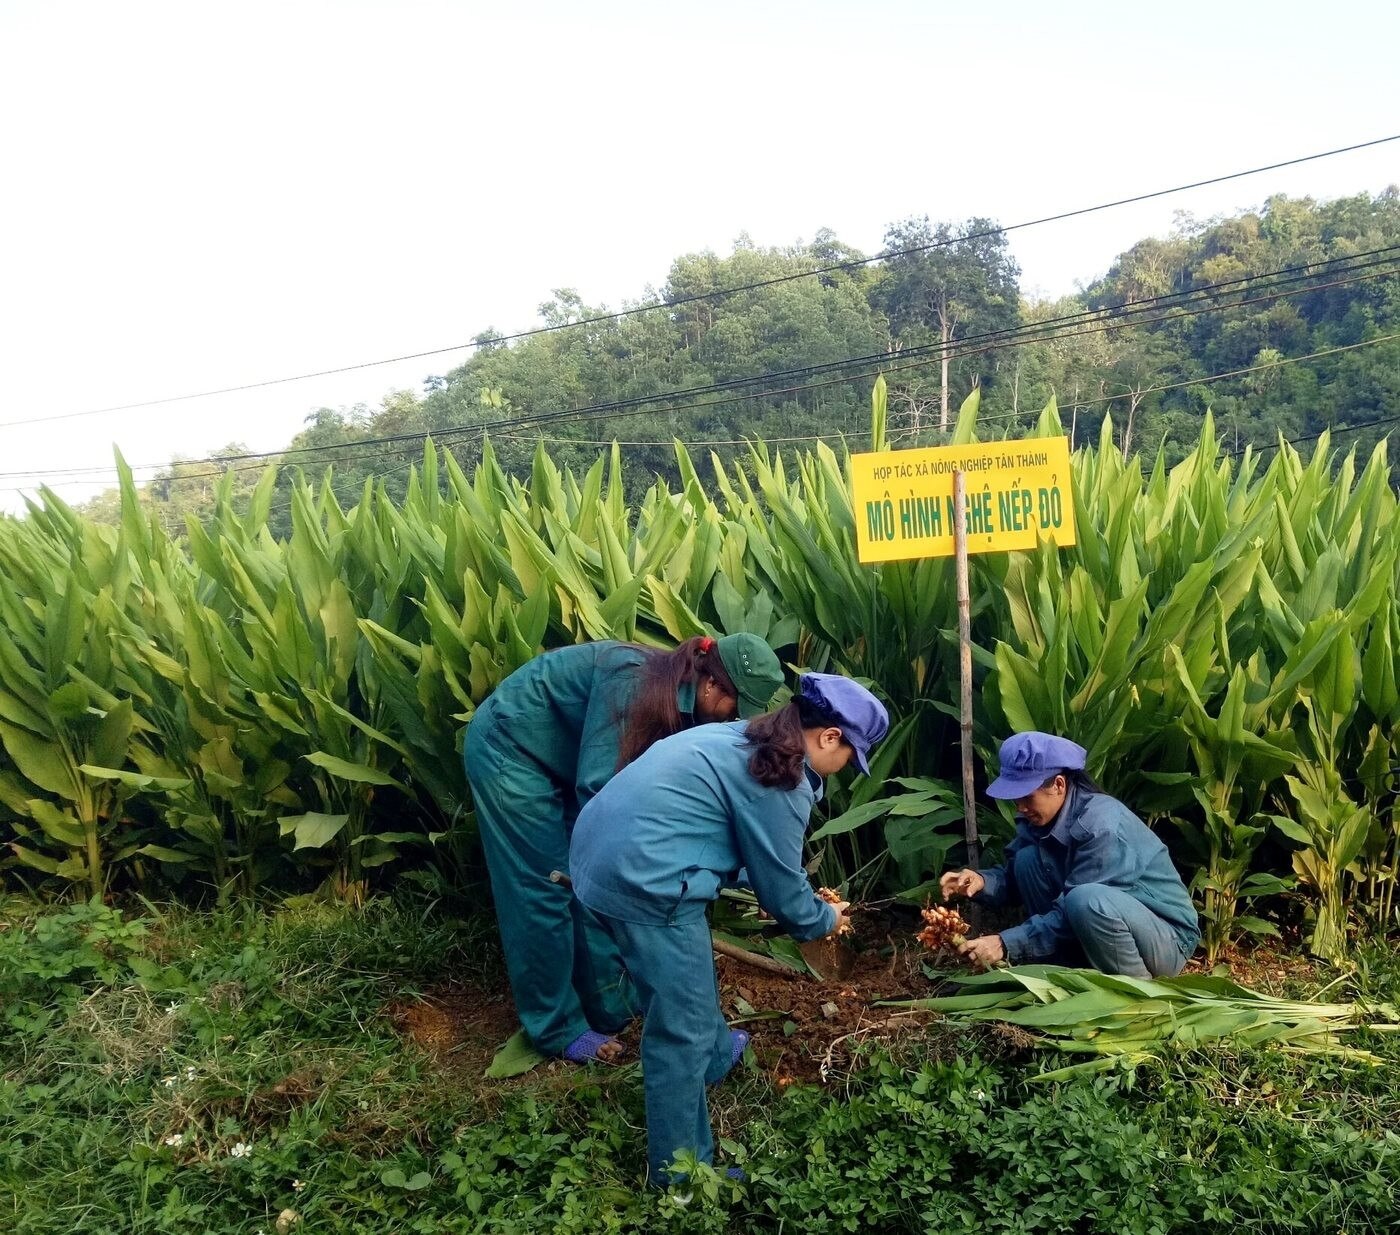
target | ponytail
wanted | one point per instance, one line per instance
(653, 713)
(779, 746)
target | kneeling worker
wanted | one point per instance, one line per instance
(1099, 885)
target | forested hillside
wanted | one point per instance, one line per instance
(792, 355)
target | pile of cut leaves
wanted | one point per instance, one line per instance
(1130, 1020)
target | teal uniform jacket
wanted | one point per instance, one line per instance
(1095, 840)
(563, 712)
(680, 822)
(536, 751)
(648, 854)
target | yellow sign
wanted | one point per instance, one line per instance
(1018, 493)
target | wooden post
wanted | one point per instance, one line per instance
(965, 665)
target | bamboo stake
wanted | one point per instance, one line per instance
(745, 957)
(965, 665)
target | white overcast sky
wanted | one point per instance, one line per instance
(196, 195)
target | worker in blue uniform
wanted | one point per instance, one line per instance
(654, 847)
(1099, 886)
(539, 747)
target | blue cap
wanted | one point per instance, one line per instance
(1028, 760)
(860, 716)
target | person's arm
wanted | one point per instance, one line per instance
(998, 883)
(998, 886)
(1100, 855)
(769, 825)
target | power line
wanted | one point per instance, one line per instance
(1025, 332)
(981, 420)
(1312, 437)
(1104, 320)
(1259, 368)
(607, 410)
(416, 450)
(957, 351)
(719, 293)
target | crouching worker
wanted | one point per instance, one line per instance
(1099, 886)
(652, 850)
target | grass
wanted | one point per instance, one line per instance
(245, 1071)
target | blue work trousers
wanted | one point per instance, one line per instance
(1113, 931)
(685, 1040)
(565, 971)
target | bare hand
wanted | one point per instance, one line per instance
(610, 1051)
(984, 952)
(843, 919)
(961, 883)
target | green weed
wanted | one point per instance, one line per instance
(227, 1072)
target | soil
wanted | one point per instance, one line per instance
(1263, 967)
(805, 1029)
(461, 1026)
(802, 1029)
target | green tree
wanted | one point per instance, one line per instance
(960, 281)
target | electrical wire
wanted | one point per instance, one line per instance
(719, 293)
(981, 420)
(1312, 437)
(416, 450)
(1106, 320)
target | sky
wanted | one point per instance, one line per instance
(201, 195)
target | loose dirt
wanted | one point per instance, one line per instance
(461, 1026)
(802, 1029)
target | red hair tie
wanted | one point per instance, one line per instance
(707, 644)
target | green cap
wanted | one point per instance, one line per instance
(754, 669)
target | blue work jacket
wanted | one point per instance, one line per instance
(1094, 839)
(668, 831)
(564, 711)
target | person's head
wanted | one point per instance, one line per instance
(720, 679)
(831, 722)
(1037, 771)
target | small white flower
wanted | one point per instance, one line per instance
(980, 1095)
(241, 1150)
(169, 1081)
(190, 1073)
(173, 1008)
(298, 1185)
(174, 1140)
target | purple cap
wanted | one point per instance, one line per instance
(860, 716)
(1028, 760)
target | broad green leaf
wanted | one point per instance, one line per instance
(68, 702)
(163, 853)
(39, 761)
(345, 770)
(313, 830)
(515, 1056)
(136, 780)
(60, 825)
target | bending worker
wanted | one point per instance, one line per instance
(652, 850)
(1099, 885)
(537, 750)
